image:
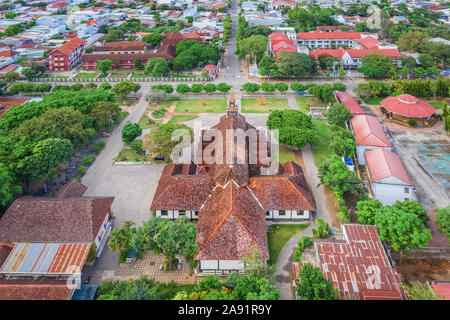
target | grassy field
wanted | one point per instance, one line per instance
(436, 104)
(286, 155)
(253, 105)
(177, 119)
(278, 238)
(195, 105)
(118, 75)
(127, 154)
(319, 147)
(86, 75)
(372, 101)
(144, 123)
(139, 75)
(311, 101)
(54, 77)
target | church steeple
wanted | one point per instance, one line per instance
(232, 108)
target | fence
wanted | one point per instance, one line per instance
(149, 79)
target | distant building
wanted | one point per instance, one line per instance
(279, 42)
(67, 55)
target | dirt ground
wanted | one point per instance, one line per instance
(424, 269)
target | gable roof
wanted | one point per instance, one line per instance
(44, 219)
(328, 35)
(231, 224)
(383, 164)
(349, 102)
(369, 42)
(70, 45)
(121, 46)
(40, 289)
(351, 264)
(369, 131)
(72, 189)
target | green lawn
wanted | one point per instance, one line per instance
(139, 75)
(310, 101)
(166, 103)
(196, 106)
(144, 123)
(319, 147)
(286, 155)
(118, 75)
(253, 105)
(177, 119)
(436, 104)
(127, 154)
(278, 238)
(55, 77)
(86, 75)
(373, 101)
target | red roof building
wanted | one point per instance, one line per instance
(8, 102)
(443, 289)
(359, 266)
(350, 103)
(407, 107)
(67, 55)
(389, 180)
(369, 134)
(279, 42)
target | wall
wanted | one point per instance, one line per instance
(388, 194)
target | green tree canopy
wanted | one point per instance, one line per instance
(338, 114)
(104, 65)
(377, 65)
(294, 64)
(153, 39)
(313, 285)
(254, 46)
(130, 132)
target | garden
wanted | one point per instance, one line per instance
(201, 105)
(263, 105)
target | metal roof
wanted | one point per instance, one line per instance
(46, 258)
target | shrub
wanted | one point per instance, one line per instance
(98, 146)
(302, 244)
(130, 132)
(210, 88)
(196, 88)
(267, 87)
(281, 86)
(92, 251)
(323, 230)
(105, 86)
(250, 87)
(182, 88)
(338, 86)
(81, 170)
(137, 146)
(412, 122)
(223, 87)
(297, 86)
(88, 159)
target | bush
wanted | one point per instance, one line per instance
(223, 87)
(297, 86)
(88, 159)
(105, 86)
(302, 244)
(338, 86)
(182, 88)
(196, 88)
(323, 230)
(123, 255)
(81, 170)
(130, 132)
(210, 88)
(98, 146)
(267, 87)
(250, 87)
(92, 252)
(281, 86)
(412, 122)
(137, 146)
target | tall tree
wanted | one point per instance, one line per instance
(313, 285)
(338, 114)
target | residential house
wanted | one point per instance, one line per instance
(232, 201)
(279, 42)
(369, 134)
(388, 178)
(67, 55)
(50, 238)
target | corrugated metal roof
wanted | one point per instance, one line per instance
(46, 258)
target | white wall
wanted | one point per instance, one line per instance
(289, 215)
(231, 265)
(388, 194)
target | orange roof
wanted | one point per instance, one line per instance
(384, 164)
(70, 45)
(369, 42)
(369, 131)
(328, 35)
(31, 289)
(408, 106)
(349, 102)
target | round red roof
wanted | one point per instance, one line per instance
(210, 67)
(408, 106)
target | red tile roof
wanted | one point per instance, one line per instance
(369, 42)
(70, 45)
(359, 266)
(356, 53)
(408, 106)
(71, 189)
(328, 35)
(369, 131)
(27, 289)
(443, 289)
(121, 46)
(349, 102)
(231, 224)
(383, 164)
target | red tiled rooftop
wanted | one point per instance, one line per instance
(349, 102)
(71, 45)
(369, 42)
(27, 289)
(383, 164)
(328, 35)
(369, 131)
(408, 106)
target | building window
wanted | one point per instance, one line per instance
(300, 212)
(164, 212)
(196, 213)
(406, 190)
(282, 212)
(181, 212)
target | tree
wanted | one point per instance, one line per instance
(153, 39)
(323, 230)
(157, 67)
(342, 143)
(294, 64)
(297, 86)
(412, 41)
(416, 290)
(326, 61)
(210, 88)
(339, 86)
(256, 30)
(196, 87)
(10, 76)
(46, 156)
(281, 86)
(313, 285)
(130, 132)
(170, 238)
(8, 189)
(182, 88)
(335, 174)
(405, 231)
(124, 88)
(255, 264)
(252, 287)
(377, 65)
(105, 115)
(414, 207)
(223, 87)
(29, 73)
(161, 142)
(254, 46)
(104, 65)
(366, 210)
(443, 221)
(295, 127)
(138, 64)
(266, 66)
(338, 114)
(302, 244)
(105, 86)
(10, 15)
(120, 238)
(267, 87)
(250, 87)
